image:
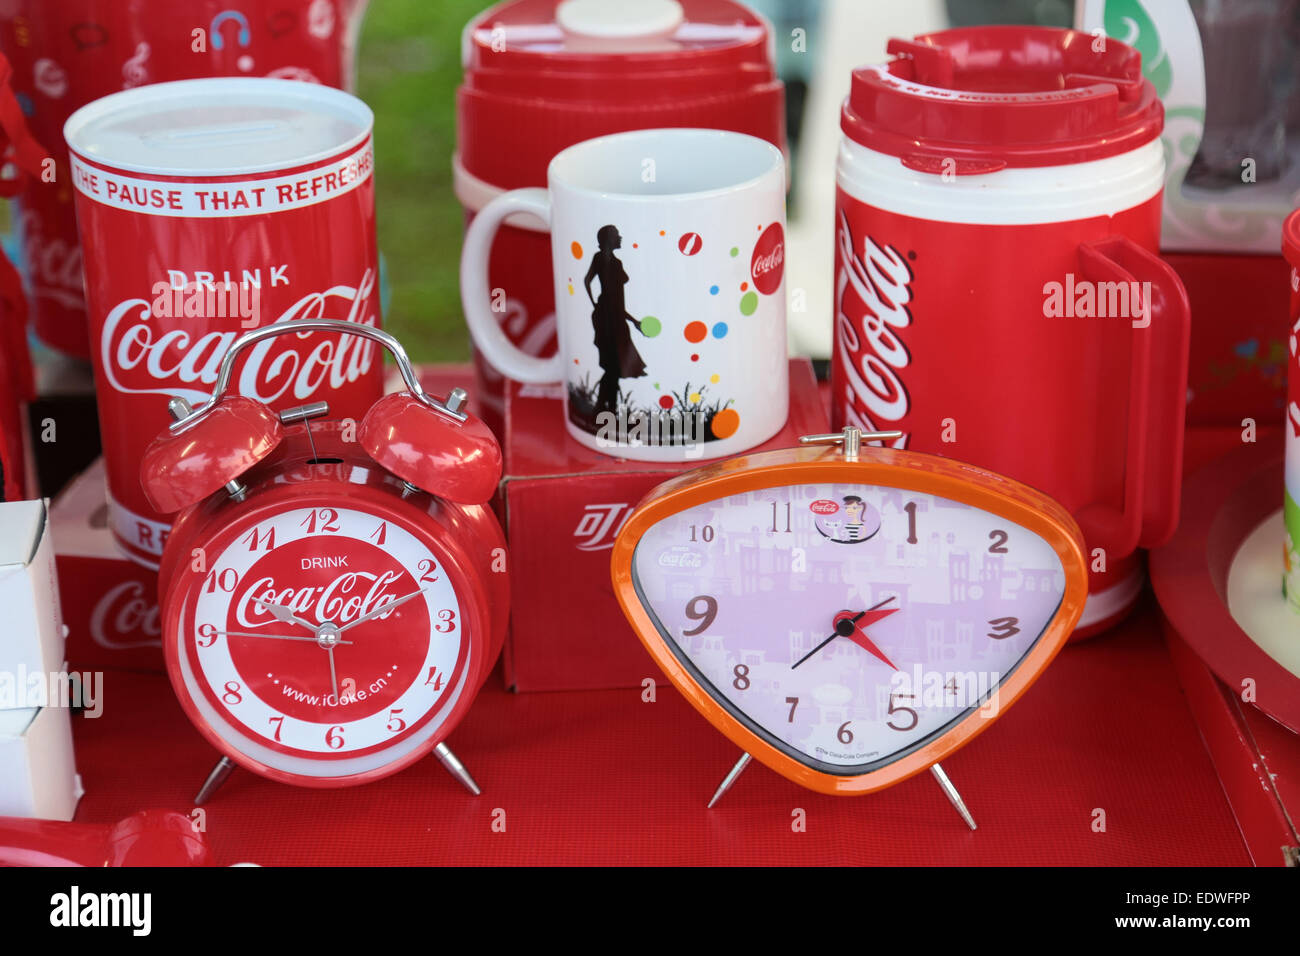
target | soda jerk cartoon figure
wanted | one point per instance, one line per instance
(852, 522)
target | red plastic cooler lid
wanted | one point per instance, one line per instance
(996, 96)
(541, 76)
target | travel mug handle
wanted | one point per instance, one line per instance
(1148, 514)
(476, 296)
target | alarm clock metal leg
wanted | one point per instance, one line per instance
(953, 796)
(456, 768)
(730, 778)
(215, 779)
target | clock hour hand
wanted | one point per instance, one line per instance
(283, 614)
(858, 634)
(382, 609)
(848, 626)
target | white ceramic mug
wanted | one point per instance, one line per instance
(668, 252)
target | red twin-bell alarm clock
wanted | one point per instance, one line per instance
(334, 594)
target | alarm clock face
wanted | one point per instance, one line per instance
(846, 624)
(363, 675)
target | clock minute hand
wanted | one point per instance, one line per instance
(383, 608)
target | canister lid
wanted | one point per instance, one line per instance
(541, 76)
(218, 127)
(977, 99)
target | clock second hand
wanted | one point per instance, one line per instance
(852, 623)
(274, 637)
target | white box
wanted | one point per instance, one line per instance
(38, 777)
(32, 637)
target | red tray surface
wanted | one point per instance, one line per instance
(600, 777)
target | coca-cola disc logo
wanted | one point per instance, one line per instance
(768, 263)
(823, 506)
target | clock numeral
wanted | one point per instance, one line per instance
(741, 674)
(999, 539)
(1004, 627)
(916, 718)
(426, 567)
(255, 539)
(706, 533)
(225, 579)
(793, 702)
(279, 725)
(433, 679)
(207, 635)
(910, 508)
(705, 617)
(380, 534)
(844, 735)
(394, 719)
(232, 695)
(775, 529)
(951, 686)
(334, 738)
(448, 617)
(328, 519)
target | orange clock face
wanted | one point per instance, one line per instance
(850, 622)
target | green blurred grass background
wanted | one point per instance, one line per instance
(408, 68)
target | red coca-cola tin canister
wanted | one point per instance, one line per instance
(998, 294)
(540, 77)
(66, 53)
(207, 208)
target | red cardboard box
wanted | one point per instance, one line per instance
(562, 505)
(110, 604)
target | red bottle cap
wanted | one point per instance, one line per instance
(540, 77)
(978, 99)
(1291, 239)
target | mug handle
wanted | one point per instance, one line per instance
(1148, 514)
(475, 294)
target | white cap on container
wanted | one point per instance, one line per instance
(588, 22)
(218, 127)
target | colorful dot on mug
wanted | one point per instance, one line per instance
(719, 329)
(635, 246)
(694, 398)
(695, 357)
(748, 303)
(662, 233)
(696, 331)
(735, 251)
(690, 243)
(650, 326)
(570, 288)
(715, 378)
(575, 361)
(725, 423)
(665, 401)
(713, 290)
(576, 249)
(744, 286)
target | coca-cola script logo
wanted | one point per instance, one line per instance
(346, 598)
(871, 295)
(53, 263)
(823, 506)
(125, 617)
(140, 355)
(768, 264)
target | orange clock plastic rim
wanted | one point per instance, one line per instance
(884, 467)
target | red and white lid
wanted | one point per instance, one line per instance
(541, 76)
(992, 97)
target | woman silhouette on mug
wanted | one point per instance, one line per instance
(609, 318)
